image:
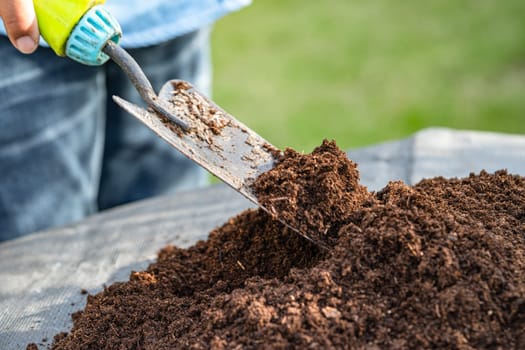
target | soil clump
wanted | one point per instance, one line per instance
(440, 264)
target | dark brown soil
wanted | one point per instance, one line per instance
(437, 265)
(314, 193)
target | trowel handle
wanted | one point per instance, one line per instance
(78, 29)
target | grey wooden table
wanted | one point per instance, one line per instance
(41, 275)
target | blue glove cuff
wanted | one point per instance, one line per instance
(90, 35)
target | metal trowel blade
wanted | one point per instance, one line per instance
(215, 139)
(212, 138)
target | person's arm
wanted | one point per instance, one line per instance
(20, 23)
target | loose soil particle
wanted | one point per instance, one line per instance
(437, 265)
(204, 119)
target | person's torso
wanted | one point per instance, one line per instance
(150, 22)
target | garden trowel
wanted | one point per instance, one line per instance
(86, 32)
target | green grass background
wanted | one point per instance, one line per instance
(366, 71)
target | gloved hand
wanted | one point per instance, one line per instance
(21, 24)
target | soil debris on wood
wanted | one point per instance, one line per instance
(440, 264)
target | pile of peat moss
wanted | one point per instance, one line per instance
(437, 265)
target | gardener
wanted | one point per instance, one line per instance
(66, 150)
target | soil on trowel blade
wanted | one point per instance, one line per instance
(437, 265)
(314, 193)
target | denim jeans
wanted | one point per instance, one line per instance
(67, 150)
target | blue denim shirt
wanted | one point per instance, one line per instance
(153, 21)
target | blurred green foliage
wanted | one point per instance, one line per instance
(366, 71)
